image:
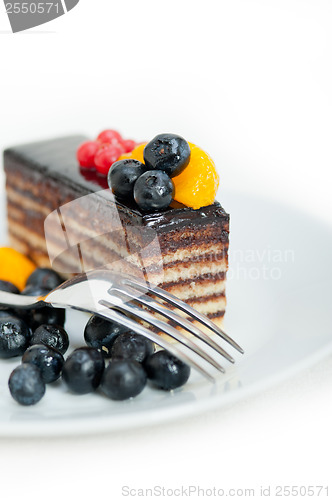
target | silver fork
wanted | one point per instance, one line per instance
(109, 295)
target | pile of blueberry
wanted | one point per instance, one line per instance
(150, 183)
(116, 360)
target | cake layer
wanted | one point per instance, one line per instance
(183, 250)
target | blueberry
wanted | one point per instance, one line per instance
(122, 176)
(153, 190)
(45, 278)
(53, 336)
(166, 371)
(26, 384)
(123, 379)
(101, 333)
(132, 346)
(23, 314)
(167, 152)
(34, 290)
(83, 370)
(6, 286)
(48, 360)
(47, 316)
(14, 336)
(4, 313)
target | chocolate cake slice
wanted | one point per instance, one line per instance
(63, 216)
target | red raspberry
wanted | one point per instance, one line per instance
(109, 137)
(128, 145)
(86, 153)
(106, 156)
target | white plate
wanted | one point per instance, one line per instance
(279, 308)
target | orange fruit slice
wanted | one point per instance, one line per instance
(15, 267)
(197, 185)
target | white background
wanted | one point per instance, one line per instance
(250, 82)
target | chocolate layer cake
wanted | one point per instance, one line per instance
(66, 217)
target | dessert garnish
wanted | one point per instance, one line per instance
(14, 336)
(6, 286)
(128, 145)
(45, 278)
(162, 158)
(166, 371)
(47, 315)
(101, 333)
(133, 346)
(167, 152)
(136, 153)
(15, 267)
(109, 137)
(48, 360)
(123, 379)
(194, 176)
(192, 172)
(197, 185)
(26, 384)
(83, 370)
(104, 151)
(52, 336)
(86, 154)
(113, 137)
(122, 177)
(106, 155)
(153, 190)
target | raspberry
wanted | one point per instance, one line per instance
(86, 153)
(106, 156)
(128, 145)
(109, 137)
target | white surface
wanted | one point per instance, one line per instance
(250, 81)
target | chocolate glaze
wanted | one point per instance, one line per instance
(56, 158)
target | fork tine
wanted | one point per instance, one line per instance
(163, 327)
(179, 320)
(162, 294)
(187, 358)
